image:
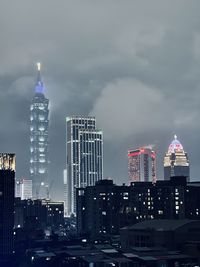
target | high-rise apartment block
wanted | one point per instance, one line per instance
(7, 189)
(39, 138)
(84, 156)
(142, 165)
(176, 162)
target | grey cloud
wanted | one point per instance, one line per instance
(127, 107)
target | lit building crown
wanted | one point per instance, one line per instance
(39, 88)
(7, 161)
(175, 146)
(176, 162)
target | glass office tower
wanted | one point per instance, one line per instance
(84, 156)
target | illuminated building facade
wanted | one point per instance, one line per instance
(7, 189)
(39, 138)
(84, 156)
(176, 161)
(23, 189)
(65, 192)
(142, 165)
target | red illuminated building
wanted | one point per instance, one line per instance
(142, 164)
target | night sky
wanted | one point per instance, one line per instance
(135, 65)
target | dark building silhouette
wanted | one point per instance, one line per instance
(39, 140)
(38, 214)
(105, 201)
(169, 234)
(108, 256)
(7, 187)
(176, 162)
(104, 208)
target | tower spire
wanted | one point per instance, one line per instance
(39, 88)
(39, 72)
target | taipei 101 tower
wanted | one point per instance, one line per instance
(39, 139)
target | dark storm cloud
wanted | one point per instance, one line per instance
(135, 65)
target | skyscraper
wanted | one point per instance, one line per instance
(176, 162)
(84, 156)
(39, 138)
(142, 164)
(7, 189)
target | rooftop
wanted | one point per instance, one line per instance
(159, 225)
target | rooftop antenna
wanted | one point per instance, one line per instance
(39, 73)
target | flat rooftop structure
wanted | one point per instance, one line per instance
(159, 225)
(111, 250)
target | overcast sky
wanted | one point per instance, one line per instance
(135, 65)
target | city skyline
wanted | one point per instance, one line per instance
(100, 140)
(135, 69)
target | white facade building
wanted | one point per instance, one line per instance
(84, 156)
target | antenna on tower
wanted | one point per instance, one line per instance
(39, 66)
(39, 73)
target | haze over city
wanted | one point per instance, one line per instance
(133, 66)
